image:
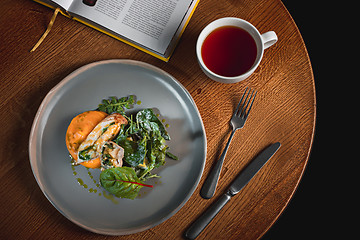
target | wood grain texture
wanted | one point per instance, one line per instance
(285, 111)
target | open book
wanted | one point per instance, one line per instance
(154, 26)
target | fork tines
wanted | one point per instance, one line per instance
(242, 109)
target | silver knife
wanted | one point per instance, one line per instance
(240, 181)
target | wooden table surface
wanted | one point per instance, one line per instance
(285, 111)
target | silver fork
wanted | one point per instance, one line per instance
(237, 121)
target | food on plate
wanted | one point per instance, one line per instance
(107, 129)
(126, 148)
(79, 129)
(111, 155)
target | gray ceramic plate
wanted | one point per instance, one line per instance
(87, 204)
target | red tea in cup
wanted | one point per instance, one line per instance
(229, 51)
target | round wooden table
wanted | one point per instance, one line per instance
(284, 111)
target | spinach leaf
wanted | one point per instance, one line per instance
(113, 104)
(148, 121)
(155, 154)
(157, 150)
(170, 155)
(122, 182)
(143, 140)
(134, 151)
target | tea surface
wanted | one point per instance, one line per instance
(229, 51)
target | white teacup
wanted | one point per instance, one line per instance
(262, 41)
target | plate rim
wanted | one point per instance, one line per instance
(40, 114)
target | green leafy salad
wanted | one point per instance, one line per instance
(128, 150)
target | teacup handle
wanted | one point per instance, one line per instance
(269, 39)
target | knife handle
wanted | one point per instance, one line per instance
(199, 225)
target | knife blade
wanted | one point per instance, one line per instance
(235, 187)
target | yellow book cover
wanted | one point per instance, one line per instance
(154, 27)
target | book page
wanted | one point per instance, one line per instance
(151, 23)
(63, 3)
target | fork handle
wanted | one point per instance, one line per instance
(209, 187)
